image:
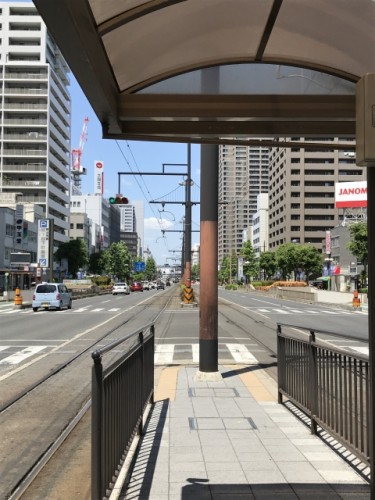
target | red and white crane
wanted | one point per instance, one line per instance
(77, 168)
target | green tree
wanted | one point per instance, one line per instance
(150, 271)
(287, 259)
(309, 259)
(268, 264)
(358, 245)
(195, 271)
(250, 264)
(117, 261)
(223, 274)
(75, 252)
(95, 265)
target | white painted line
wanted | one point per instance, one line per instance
(311, 311)
(81, 309)
(19, 356)
(98, 309)
(164, 353)
(195, 349)
(114, 309)
(241, 354)
(263, 310)
(331, 312)
(362, 350)
(281, 311)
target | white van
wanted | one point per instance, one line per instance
(49, 295)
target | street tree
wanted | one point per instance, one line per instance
(75, 252)
(309, 260)
(95, 265)
(287, 259)
(358, 245)
(195, 271)
(223, 274)
(250, 262)
(117, 260)
(150, 270)
(268, 263)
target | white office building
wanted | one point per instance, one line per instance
(98, 210)
(260, 225)
(35, 116)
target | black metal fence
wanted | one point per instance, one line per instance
(330, 385)
(120, 393)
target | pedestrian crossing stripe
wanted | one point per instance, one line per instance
(269, 310)
(19, 356)
(165, 353)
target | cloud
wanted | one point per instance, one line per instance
(154, 224)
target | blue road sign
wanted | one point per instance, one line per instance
(139, 267)
(43, 262)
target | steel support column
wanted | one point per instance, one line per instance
(371, 317)
(208, 295)
(187, 229)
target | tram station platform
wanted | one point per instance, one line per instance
(224, 436)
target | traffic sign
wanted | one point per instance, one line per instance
(139, 267)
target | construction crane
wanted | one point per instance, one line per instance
(77, 169)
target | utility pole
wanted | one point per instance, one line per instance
(186, 247)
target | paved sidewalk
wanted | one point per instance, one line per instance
(230, 439)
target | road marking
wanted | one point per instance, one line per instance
(164, 353)
(19, 356)
(241, 354)
(114, 309)
(195, 349)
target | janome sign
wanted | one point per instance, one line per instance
(351, 194)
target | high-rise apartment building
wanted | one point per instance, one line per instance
(35, 116)
(302, 190)
(243, 174)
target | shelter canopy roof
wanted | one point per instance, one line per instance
(195, 69)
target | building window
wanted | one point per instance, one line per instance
(79, 226)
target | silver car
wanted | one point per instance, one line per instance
(51, 295)
(120, 288)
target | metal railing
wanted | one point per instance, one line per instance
(330, 385)
(120, 394)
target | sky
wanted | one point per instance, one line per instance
(138, 156)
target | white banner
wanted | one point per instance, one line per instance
(43, 242)
(98, 177)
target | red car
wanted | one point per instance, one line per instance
(136, 286)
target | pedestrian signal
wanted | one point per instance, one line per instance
(118, 200)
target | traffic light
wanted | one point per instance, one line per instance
(118, 200)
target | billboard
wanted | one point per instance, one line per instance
(351, 194)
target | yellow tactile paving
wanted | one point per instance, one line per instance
(257, 387)
(167, 383)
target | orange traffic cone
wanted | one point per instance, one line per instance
(18, 298)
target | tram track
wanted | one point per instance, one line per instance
(44, 389)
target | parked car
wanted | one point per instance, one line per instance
(136, 286)
(153, 284)
(146, 285)
(55, 295)
(120, 288)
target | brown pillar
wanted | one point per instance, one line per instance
(208, 295)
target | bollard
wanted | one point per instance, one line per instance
(356, 300)
(17, 297)
(188, 293)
